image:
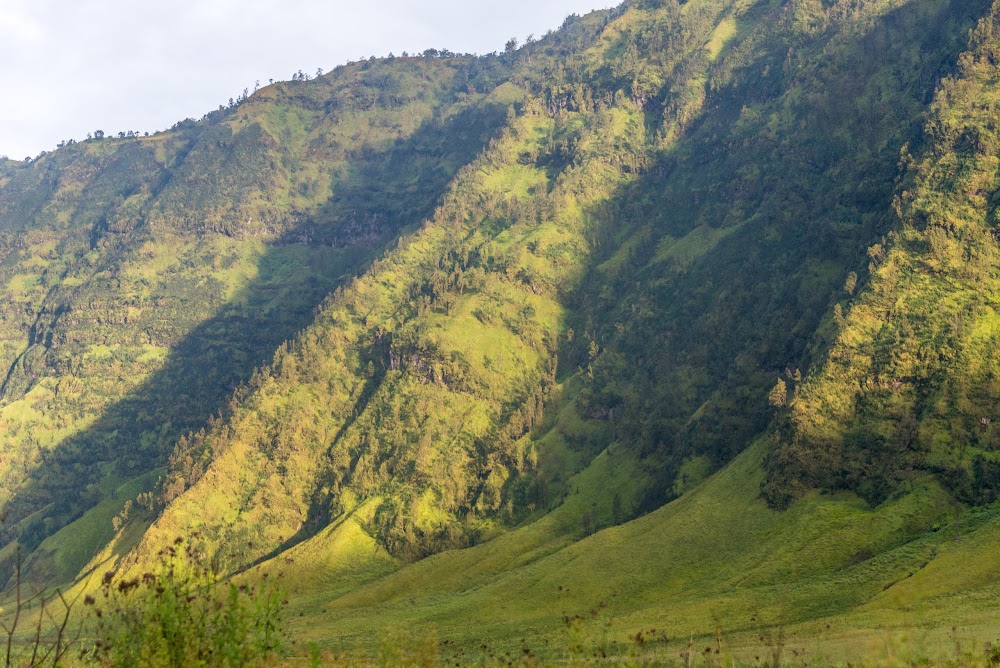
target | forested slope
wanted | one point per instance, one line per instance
(145, 278)
(428, 303)
(910, 383)
(661, 232)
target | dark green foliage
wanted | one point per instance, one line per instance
(910, 383)
(730, 251)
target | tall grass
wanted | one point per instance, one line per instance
(182, 615)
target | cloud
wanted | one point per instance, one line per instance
(17, 27)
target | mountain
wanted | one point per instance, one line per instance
(681, 317)
(910, 380)
(122, 331)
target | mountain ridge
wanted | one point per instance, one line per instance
(533, 302)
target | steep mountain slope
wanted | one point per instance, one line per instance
(145, 278)
(623, 225)
(732, 249)
(738, 247)
(911, 381)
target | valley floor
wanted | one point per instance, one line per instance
(830, 581)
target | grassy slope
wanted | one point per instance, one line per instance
(413, 396)
(420, 381)
(717, 551)
(835, 572)
(731, 252)
(342, 432)
(716, 555)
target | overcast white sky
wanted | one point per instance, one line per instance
(68, 67)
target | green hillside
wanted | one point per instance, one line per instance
(122, 331)
(571, 247)
(675, 324)
(717, 560)
(910, 381)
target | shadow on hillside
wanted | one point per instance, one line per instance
(137, 434)
(757, 229)
(745, 307)
(772, 248)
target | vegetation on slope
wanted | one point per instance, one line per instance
(603, 235)
(418, 382)
(145, 278)
(725, 261)
(606, 263)
(839, 580)
(910, 383)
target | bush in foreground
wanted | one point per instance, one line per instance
(183, 616)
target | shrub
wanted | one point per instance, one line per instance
(183, 615)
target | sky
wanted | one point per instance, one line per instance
(71, 67)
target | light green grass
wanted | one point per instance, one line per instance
(724, 34)
(716, 556)
(62, 556)
(697, 243)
